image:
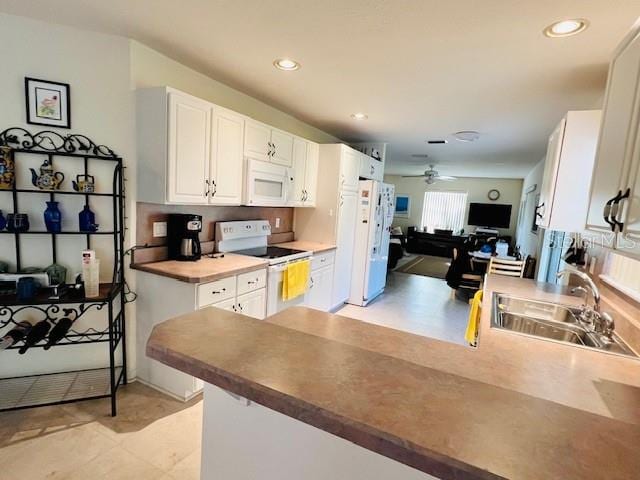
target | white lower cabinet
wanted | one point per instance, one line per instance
(253, 304)
(320, 286)
(161, 298)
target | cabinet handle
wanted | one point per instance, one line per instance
(215, 188)
(218, 292)
(240, 307)
(311, 282)
(538, 214)
(617, 208)
(252, 282)
(206, 183)
(608, 210)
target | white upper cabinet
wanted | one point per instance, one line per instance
(282, 144)
(370, 168)
(304, 173)
(564, 194)
(617, 158)
(257, 141)
(189, 149)
(311, 174)
(349, 169)
(226, 167)
(268, 144)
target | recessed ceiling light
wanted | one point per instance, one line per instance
(286, 64)
(359, 116)
(467, 136)
(566, 28)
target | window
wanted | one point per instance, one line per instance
(444, 210)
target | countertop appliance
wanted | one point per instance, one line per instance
(183, 242)
(250, 238)
(373, 231)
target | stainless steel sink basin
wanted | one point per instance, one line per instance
(551, 321)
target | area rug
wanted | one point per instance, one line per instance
(427, 266)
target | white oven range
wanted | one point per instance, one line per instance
(250, 238)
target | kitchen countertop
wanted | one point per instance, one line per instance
(204, 270)
(515, 407)
(314, 247)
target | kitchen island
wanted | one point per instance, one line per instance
(306, 394)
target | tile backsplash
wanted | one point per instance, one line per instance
(148, 213)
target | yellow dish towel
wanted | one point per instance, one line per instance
(295, 279)
(474, 319)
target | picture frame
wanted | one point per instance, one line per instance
(47, 103)
(402, 206)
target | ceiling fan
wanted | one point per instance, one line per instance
(431, 176)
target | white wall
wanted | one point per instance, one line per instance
(529, 241)
(97, 68)
(476, 188)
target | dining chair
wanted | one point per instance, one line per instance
(510, 268)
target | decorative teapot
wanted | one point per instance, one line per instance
(48, 179)
(84, 183)
(7, 169)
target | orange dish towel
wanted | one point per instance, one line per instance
(474, 319)
(295, 280)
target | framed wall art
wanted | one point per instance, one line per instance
(48, 103)
(403, 204)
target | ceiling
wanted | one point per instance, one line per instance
(420, 69)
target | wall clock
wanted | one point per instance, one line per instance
(493, 194)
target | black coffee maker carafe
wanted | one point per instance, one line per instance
(183, 230)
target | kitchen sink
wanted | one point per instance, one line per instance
(551, 321)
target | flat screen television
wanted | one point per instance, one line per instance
(494, 215)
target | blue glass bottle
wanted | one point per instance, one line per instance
(87, 220)
(53, 217)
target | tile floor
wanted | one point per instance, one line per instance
(153, 437)
(156, 437)
(416, 304)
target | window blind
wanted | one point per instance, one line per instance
(443, 210)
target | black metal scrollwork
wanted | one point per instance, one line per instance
(54, 142)
(54, 313)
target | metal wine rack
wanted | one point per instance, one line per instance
(69, 386)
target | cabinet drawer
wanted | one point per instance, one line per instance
(217, 291)
(323, 259)
(250, 281)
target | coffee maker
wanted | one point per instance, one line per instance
(183, 230)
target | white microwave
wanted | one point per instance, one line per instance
(267, 184)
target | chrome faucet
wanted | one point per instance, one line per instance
(601, 322)
(593, 288)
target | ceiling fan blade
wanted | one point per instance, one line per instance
(412, 176)
(447, 178)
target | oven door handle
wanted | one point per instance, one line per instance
(283, 266)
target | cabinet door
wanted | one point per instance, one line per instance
(348, 203)
(349, 169)
(614, 146)
(188, 145)
(377, 169)
(226, 157)
(311, 174)
(297, 173)
(229, 305)
(320, 285)
(554, 150)
(257, 139)
(253, 304)
(282, 148)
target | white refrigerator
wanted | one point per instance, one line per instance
(371, 252)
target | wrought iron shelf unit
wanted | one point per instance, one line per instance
(69, 386)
